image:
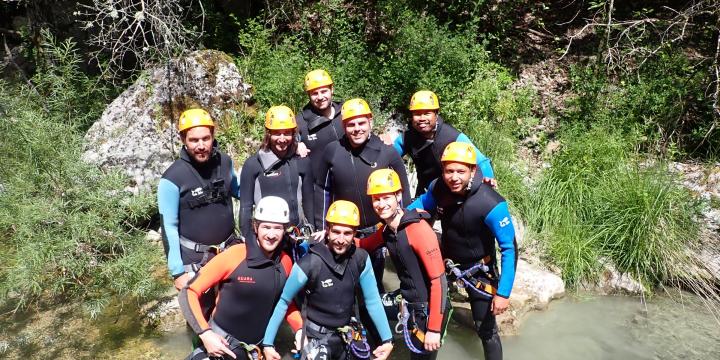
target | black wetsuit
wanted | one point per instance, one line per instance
(426, 153)
(195, 203)
(250, 285)
(415, 252)
(343, 173)
(316, 131)
(290, 178)
(330, 282)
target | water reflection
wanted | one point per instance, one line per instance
(585, 328)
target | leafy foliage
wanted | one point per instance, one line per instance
(68, 233)
(597, 203)
(660, 106)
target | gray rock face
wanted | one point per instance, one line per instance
(137, 132)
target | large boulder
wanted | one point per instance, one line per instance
(137, 131)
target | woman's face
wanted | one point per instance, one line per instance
(280, 140)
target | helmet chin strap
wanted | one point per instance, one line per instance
(469, 185)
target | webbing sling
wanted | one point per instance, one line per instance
(468, 280)
(253, 350)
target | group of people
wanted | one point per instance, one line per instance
(322, 202)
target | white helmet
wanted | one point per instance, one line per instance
(272, 209)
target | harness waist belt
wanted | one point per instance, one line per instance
(319, 328)
(206, 250)
(201, 248)
(232, 340)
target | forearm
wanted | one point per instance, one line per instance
(373, 304)
(294, 283)
(168, 198)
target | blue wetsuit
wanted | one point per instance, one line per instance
(426, 153)
(471, 223)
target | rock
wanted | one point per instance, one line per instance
(153, 236)
(703, 180)
(534, 288)
(136, 132)
(164, 314)
(612, 282)
(552, 147)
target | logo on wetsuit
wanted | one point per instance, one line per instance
(505, 222)
(196, 191)
(246, 279)
(432, 252)
(312, 136)
(326, 283)
(273, 173)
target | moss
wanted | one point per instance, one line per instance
(211, 60)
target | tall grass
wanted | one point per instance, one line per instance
(67, 232)
(597, 201)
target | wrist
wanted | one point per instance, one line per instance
(176, 276)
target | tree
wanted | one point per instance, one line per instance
(133, 34)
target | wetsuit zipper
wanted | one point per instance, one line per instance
(357, 191)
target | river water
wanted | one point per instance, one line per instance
(587, 328)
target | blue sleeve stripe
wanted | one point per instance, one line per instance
(483, 162)
(295, 281)
(399, 144)
(235, 186)
(372, 301)
(500, 222)
(425, 201)
(168, 197)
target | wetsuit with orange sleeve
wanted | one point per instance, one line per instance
(415, 251)
(250, 286)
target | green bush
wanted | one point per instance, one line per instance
(597, 202)
(664, 105)
(68, 232)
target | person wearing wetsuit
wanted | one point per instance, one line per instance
(473, 216)
(276, 170)
(415, 251)
(343, 172)
(319, 121)
(195, 200)
(330, 275)
(250, 279)
(347, 163)
(427, 137)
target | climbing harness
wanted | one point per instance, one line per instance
(353, 334)
(208, 251)
(254, 352)
(467, 279)
(407, 312)
(301, 236)
(355, 337)
(403, 328)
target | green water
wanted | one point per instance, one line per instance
(586, 328)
